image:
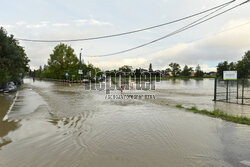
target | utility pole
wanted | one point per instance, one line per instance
(80, 65)
(80, 56)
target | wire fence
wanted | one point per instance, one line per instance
(232, 91)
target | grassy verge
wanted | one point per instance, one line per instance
(219, 114)
(179, 106)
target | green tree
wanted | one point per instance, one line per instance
(125, 68)
(175, 69)
(13, 59)
(198, 71)
(186, 71)
(225, 66)
(62, 60)
(243, 66)
(39, 72)
(93, 71)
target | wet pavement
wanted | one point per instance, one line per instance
(50, 124)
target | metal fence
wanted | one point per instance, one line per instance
(232, 91)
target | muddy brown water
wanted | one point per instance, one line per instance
(51, 124)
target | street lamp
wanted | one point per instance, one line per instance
(81, 56)
(80, 65)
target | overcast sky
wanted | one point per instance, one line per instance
(61, 19)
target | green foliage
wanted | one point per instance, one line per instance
(243, 66)
(62, 60)
(186, 71)
(13, 59)
(199, 72)
(225, 66)
(93, 71)
(179, 106)
(219, 114)
(125, 68)
(175, 69)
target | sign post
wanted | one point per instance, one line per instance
(227, 76)
(66, 74)
(230, 75)
(80, 73)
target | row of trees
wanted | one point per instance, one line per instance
(175, 69)
(242, 66)
(13, 59)
(64, 60)
(61, 61)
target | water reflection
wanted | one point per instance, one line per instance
(6, 126)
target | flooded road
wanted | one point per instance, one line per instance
(51, 124)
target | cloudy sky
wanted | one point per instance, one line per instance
(226, 37)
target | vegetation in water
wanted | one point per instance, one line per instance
(219, 114)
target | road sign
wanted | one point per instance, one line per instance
(80, 72)
(66, 74)
(230, 75)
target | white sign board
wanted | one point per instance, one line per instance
(230, 75)
(80, 72)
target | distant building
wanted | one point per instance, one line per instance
(193, 74)
(212, 74)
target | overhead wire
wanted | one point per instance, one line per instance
(220, 32)
(193, 24)
(129, 32)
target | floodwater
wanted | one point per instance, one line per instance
(198, 93)
(51, 124)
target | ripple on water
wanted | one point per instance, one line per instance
(84, 129)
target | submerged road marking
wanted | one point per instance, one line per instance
(6, 116)
(245, 162)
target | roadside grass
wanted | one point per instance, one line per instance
(218, 114)
(179, 106)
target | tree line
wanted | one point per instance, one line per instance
(174, 70)
(13, 59)
(242, 67)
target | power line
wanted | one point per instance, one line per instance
(168, 35)
(129, 32)
(193, 24)
(220, 32)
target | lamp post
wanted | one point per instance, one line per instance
(80, 65)
(80, 56)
